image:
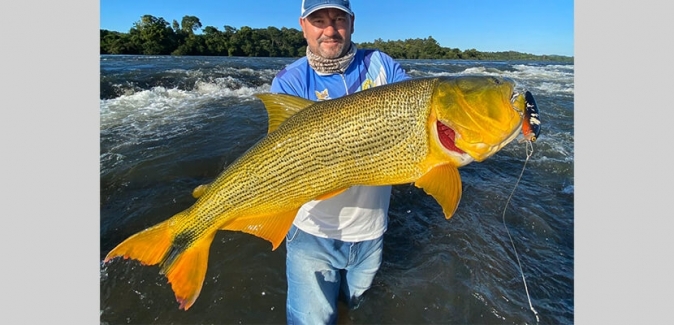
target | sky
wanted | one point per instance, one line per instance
(529, 26)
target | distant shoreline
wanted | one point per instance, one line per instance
(155, 36)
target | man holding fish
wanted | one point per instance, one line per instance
(334, 247)
(344, 125)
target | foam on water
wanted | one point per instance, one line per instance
(540, 79)
(159, 102)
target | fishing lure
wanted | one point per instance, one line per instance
(531, 127)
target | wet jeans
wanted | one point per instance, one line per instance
(320, 270)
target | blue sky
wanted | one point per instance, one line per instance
(529, 26)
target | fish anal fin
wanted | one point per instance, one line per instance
(443, 183)
(281, 106)
(272, 227)
(187, 271)
(147, 246)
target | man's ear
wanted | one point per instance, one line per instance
(301, 22)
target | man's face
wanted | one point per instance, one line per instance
(328, 32)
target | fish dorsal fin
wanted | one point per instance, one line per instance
(273, 227)
(443, 183)
(281, 106)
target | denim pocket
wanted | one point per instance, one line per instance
(292, 233)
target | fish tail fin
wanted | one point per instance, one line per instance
(148, 246)
(181, 260)
(185, 267)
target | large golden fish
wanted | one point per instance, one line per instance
(419, 130)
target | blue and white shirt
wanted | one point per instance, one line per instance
(361, 212)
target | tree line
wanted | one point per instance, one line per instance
(155, 36)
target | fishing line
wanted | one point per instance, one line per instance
(529, 150)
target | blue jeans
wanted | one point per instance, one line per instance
(321, 270)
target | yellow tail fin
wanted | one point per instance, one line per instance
(182, 261)
(186, 272)
(148, 246)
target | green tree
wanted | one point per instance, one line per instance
(294, 44)
(215, 41)
(116, 43)
(244, 39)
(471, 54)
(430, 49)
(153, 35)
(188, 42)
(276, 41)
(233, 41)
(190, 24)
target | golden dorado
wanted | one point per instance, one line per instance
(415, 131)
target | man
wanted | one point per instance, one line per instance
(334, 247)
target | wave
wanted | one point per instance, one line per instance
(161, 101)
(552, 79)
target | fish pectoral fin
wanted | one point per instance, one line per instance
(281, 106)
(330, 194)
(272, 227)
(443, 183)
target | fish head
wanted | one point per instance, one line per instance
(473, 117)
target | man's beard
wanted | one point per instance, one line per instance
(332, 53)
(325, 65)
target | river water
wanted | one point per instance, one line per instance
(168, 124)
